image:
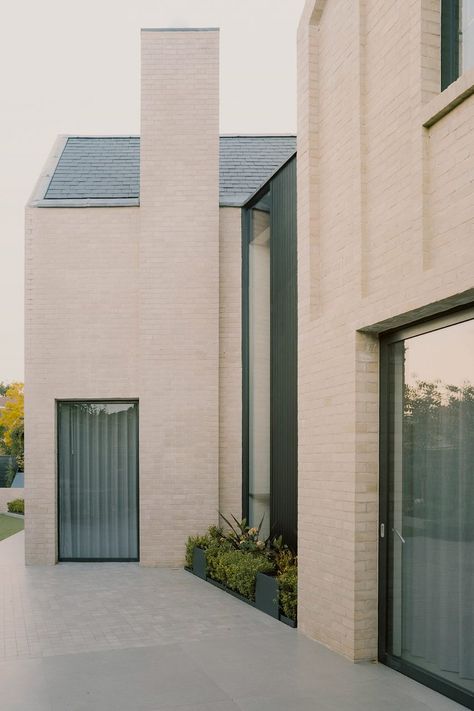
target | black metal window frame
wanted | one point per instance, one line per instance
(435, 323)
(275, 484)
(102, 401)
(246, 238)
(449, 42)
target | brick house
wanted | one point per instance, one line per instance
(134, 372)
(179, 298)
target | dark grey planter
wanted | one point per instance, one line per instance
(200, 563)
(288, 621)
(266, 594)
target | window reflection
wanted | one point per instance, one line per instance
(431, 524)
(259, 366)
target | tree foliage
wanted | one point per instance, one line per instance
(12, 423)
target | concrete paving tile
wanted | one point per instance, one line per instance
(118, 636)
(23, 686)
(285, 703)
(215, 706)
(125, 679)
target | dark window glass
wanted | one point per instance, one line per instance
(430, 531)
(457, 39)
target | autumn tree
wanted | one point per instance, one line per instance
(11, 423)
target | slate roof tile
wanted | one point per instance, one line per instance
(108, 167)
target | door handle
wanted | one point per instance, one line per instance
(399, 534)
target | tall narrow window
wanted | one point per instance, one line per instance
(269, 340)
(457, 39)
(259, 366)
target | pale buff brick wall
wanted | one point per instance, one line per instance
(230, 361)
(178, 290)
(385, 224)
(81, 337)
(124, 303)
(7, 495)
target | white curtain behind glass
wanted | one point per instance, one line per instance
(98, 480)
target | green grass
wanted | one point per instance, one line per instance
(9, 525)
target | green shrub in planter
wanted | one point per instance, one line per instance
(210, 539)
(216, 548)
(239, 571)
(16, 506)
(288, 582)
(192, 543)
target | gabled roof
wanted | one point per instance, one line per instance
(105, 170)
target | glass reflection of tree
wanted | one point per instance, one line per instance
(438, 455)
(90, 408)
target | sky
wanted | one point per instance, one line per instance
(74, 68)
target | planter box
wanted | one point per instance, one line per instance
(266, 588)
(234, 593)
(266, 594)
(287, 621)
(200, 563)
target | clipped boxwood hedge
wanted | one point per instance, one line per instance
(238, 571)
(288, 589)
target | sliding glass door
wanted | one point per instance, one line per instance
(427, 512)
(98, 480)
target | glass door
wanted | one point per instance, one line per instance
(427, 513)
(98, 480)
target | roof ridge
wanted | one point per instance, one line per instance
(91, 136)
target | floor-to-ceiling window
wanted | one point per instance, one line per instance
(98, 480)
(427, 505)
(269, 357)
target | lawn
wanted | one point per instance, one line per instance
(9, 525)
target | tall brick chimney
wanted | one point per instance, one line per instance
(179, 289)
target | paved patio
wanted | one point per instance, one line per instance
(123, 638)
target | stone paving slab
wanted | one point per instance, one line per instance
(117, 636)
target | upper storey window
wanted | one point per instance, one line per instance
(457, 39)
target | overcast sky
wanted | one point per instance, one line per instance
(74, 68)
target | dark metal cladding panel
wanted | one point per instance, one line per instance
(284, 355)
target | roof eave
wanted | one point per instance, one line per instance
(87, 202)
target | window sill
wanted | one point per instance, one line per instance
(452, 96)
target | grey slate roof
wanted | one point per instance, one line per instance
(247, 162)
(108, 168)
(97, 168)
